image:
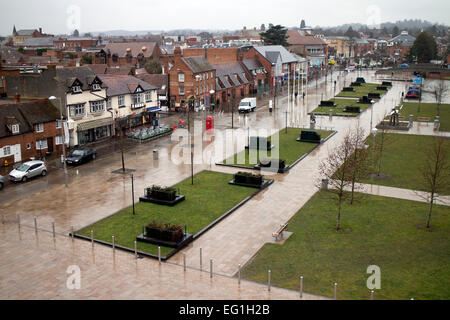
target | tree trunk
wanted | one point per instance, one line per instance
(338, 223)
(353, 191)
(429, 210)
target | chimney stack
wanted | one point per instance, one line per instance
(40, 30)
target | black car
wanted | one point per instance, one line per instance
(80, 156)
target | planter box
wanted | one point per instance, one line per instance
(374, 96)
(183, 241)
(161, 194)
(309, 136)
(386, 83)
(360, 80)
(404, 126)
(259, 143)
(178, 199)
(382, 88)
(348, 89)
(355, 84)
(280, 165)
(327, 104)
(352, 109)
(254, 180)
(365, 100)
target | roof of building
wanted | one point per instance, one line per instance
(26, 114)
(25, 32)
(404, 38)
(286, 56)
(231, 71)
(98, 68)
(38, 42)
(121, 48)
(83, 74)
(160, 81)
(198, 64)
(10, 55)
(295, 37)
(252, 64)
(123, 84)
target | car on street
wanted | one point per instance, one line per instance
(81, 155)
(2, 182)
(28, 170)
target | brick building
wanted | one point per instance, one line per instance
(190, 78)
(29, 129)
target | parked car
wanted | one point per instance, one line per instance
(404, 65)
(247, 105)
(28, 170)
(2, 182)
(81, 155)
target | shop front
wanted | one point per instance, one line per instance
(93, 131)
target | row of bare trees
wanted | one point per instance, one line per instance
(350, 162)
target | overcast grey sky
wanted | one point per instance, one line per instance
(58, 17)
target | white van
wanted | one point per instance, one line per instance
(247, 105)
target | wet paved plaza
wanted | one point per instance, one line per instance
(34, 265)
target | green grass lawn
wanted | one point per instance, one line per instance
(364, 90)
(427, 110)
(206, 200)
(340, 105)
(402, 159)
(289, 149)
(387, 232)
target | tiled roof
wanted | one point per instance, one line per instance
(160, 81)
(26, 32)
(296, 38)
(83, 74)
(231, 69)
(123, 84)
(198, 64)
(38, 42)
(286, 56)
(136, 48)
(252, 64)
(98, 69)
(26, 114)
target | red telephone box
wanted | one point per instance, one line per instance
(209, 124)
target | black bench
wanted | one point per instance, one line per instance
(348, 89)
(352, 109)
(355, 84)
(279, 165)
(382, 88)
(365, 100)
(327, 104)
(279, 232)
(374, 95)
(361, 80)
(309, 136)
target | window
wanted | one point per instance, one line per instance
(41, 144)
(96, 87)
(203, 77)
(121, 101)
(28, 146)
(108, 104)
(97, 106)
(59, 140)
(181, 90)
(137, 98)
(76, 89)
(58, 124)
(40, 127)
(196, 90)
(181, 77)
(77, 110)
(148, 97)
(6, 151)
(207, 75)
(212, 75)
(15, 128)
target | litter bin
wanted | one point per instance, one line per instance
(155, 154)
(270, 106)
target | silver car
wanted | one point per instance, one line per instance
(28, 170)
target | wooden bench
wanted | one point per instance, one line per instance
(426, 119)
(279, 232)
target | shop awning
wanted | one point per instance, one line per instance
(153, 109)
(94, 124)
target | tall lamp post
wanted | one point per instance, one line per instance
(63, 137)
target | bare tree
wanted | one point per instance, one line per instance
(435, 171)
(336, 169)
(439, 92)
(358, 163)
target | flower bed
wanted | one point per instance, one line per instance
(161, 195)
(164, 231)
(248, 178)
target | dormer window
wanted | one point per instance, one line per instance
(96, 87)
(15, 129)
(76, 89)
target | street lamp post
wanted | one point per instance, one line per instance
(63, 137)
